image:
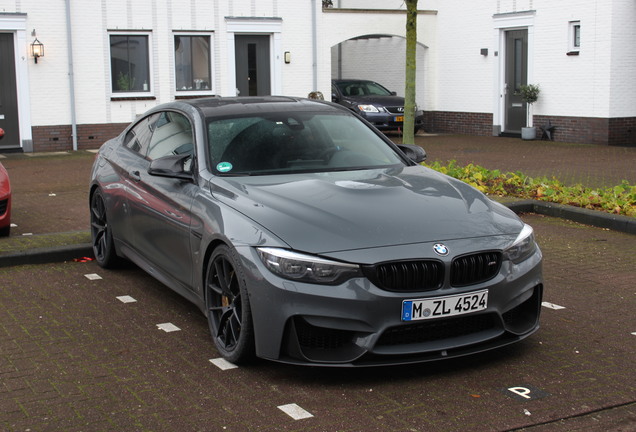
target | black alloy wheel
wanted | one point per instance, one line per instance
(228, 308)
(101, 235)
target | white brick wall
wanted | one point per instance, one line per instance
(452, 74)
(622, 93)
(48, 80)
(464, 80)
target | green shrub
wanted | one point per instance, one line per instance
(620, 199)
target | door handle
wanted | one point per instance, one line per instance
(135, 176)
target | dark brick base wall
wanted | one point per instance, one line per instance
(590, 130)
(622, 131)
(458, 122)
(89, 136)
(602, 131)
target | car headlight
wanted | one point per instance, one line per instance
(368, 108)
(306, 268)
(523, 246)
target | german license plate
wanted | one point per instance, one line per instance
(399, 118)
(438, 307)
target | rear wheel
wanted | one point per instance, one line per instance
(101, 235)
(228, 308)
(6, 231)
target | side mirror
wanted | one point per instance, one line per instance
(416, 153)
(334, 97)
(172, 166)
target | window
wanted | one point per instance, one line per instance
(574, 36)
(138, 138)
(192, 63)
(129, 63)
(172, 136)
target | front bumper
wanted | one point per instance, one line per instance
(5, 211)
(358, 324)
(389, 121)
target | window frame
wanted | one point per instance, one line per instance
(193, 92)
(574, 27)
(132, 94)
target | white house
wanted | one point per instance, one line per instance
(73, 73)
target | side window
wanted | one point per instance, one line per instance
(138, 138)
(172, 135)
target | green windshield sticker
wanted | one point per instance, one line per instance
(224, 167)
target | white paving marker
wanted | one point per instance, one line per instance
(52, 194)
(168, 327)
(223, 364)
(634, 333)
(126, 299)
(92, 276)
(552, 306)
(295, 412)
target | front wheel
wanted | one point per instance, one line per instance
(228, 307)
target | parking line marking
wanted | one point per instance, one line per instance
(126, 299)
(92, 276)
(552, 306)
(295, 412)
(168, 327)
(223, 364)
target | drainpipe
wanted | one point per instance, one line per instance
(314, 45)
(71, 77)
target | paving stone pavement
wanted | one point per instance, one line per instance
(73, 357)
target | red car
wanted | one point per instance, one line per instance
(5, 199)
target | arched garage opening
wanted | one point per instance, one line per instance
(380, 58)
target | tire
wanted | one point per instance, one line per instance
(6, 231)
(228, 308)
(101, 234)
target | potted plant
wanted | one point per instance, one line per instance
(529, 94)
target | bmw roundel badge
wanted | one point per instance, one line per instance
(440, 249)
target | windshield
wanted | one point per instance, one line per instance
(362, 88)
(276, 143)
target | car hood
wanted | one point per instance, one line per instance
(378, 100)
(338, 211)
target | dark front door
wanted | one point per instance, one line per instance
(516, 76)
(252, 65)
(8, 94)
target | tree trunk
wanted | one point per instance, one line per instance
(408, 128)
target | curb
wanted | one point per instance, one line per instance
(595, 218)
(46, 255)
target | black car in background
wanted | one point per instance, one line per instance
(372, 101)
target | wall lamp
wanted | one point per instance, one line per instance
(37, 48)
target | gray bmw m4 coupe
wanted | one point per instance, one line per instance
(306, 236)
